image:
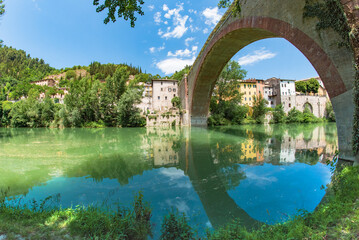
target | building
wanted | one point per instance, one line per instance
(283, 92)
(158, 94)
(249, 89)
(45, 82)
(163, 90)
(146, 102)
(269, 95)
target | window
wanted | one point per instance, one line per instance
(271, 102)
(285, 85)
(174, 95)
(265, 92)
(255, 86)
(174, 90)
(174, 83)
(289, 98)
(165, 97)
(159, 97)
(245, 99)
(244, 86)
(250, 99)
(169, 89)
(290, 105)
(161, 89)
(161, 83)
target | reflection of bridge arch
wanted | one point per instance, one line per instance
(262, 19)
(219, 206)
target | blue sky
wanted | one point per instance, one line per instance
(170, 35)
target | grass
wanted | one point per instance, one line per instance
(38, 222)
(336, 218)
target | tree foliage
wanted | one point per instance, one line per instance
(224, 105)
(120, 8)
(259, 108)
(310, 86)
(2, 7)
(279, 114)
(179, 75)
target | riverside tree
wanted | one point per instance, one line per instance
(224, 105)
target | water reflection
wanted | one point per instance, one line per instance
(254, 173)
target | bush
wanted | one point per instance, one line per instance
(278, 114)
(175, 227)
(70, 74)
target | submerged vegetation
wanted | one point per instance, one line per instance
(336, 218)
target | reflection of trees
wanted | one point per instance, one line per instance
(231, 176)
(307, 156)
(113, 166)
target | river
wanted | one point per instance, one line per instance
(255, 173)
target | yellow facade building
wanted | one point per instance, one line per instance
(249, 89)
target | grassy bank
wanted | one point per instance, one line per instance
(336, 218)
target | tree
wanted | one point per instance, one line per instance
(176, 102)
(70, 74)
(329, 112)
(2, 7)
(227, 85)
(128, 113)
(313, 85)
(122, 8)
(224, 105)
(128, 8)
(301, 86)
(279, 114)
(259, 108)
(179, 75)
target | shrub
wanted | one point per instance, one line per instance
(175, 227)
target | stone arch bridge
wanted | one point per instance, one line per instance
(261, 19)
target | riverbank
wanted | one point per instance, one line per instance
(336, 218)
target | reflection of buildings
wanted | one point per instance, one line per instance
(250, 150)
(161, 143)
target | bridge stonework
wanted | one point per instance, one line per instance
(261, 19)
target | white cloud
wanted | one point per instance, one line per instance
(165, 8)
(151, 7)
(183, 53)
(157, 18)
(171, 65)
(205, 31)
(212, 16)
(194, 29)
(158, 49)
(192, 11)
(190, 39)
(256, 56)
(179, 22)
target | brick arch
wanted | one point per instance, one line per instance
(274, 19)
(241, 33)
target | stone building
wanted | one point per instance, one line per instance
(45, 82)
(269, 95)
(163, 90)
(283, 92)
(158, 94)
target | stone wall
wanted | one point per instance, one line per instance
(318, 104)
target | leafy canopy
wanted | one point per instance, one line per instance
(127, 9)
(120, 8)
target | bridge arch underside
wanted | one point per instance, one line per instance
(232, 37)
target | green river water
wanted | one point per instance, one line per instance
(254, 173)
